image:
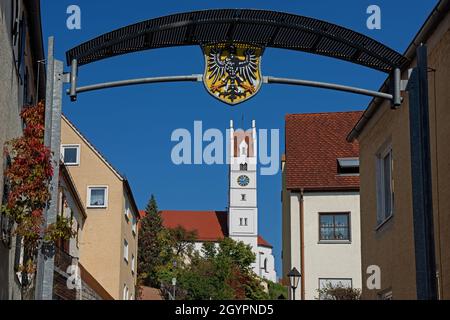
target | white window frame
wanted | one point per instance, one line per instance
(381, 183)
(126, 251)
(88, 202)
(133, 224)
(133, 261)
(72, 146)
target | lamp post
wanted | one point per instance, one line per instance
(294, 277)
(174, 285)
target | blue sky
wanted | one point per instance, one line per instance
(132, 126)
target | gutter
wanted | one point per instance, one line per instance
(131, 196)
(433, 20)
(302, 247)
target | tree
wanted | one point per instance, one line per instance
(151, 244)
(277, 291)
(222, 272)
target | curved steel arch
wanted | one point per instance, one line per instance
(258, 27)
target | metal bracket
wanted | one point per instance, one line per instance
(404, 83)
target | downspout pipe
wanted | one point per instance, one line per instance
(302, 245)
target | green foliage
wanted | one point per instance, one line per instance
(222, 273)
(339, 292)
(277, 291)
(151, 244)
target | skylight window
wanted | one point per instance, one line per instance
(348, 166)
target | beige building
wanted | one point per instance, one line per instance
(108, 246)
(320, 203)
(387, 226)
(21, 53)
(67, 252)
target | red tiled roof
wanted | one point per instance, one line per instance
(263, 243)
(314, 142)
(209, 225)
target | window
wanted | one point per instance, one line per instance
(243, 222)
(71, 155)
(21, 49)
(265, 265)
(244, 167)
(133, 225)
(334, 226)
(127, 211)
(243, 197)
(125, 250)
(385, 194)
(333, 283)
(97, 197)
(125, 292)
(133, 261)
(348, 166)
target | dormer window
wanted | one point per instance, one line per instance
(348, 166)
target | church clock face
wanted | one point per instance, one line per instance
(243, 181)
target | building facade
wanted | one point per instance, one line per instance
(71, 281)
(108, 248)
(21, 56)
(387, 199)
(320, 203)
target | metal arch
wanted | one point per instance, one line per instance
(260, 27)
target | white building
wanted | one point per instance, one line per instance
(241, 221)
(321, 215)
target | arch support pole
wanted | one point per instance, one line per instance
(330, 86)
(395, 98)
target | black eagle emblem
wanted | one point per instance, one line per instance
(237, 75)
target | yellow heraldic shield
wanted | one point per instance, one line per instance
(232, 71)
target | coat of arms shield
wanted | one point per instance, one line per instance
(232, 71)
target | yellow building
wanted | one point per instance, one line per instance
(108, 245)
(387, 197)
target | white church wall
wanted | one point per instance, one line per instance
(249, 200)
(267, 264)
(243, 222)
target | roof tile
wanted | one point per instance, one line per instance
(314, 142)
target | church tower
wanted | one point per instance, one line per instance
(243, 209)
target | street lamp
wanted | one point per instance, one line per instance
(174, 285)
(294, 277)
